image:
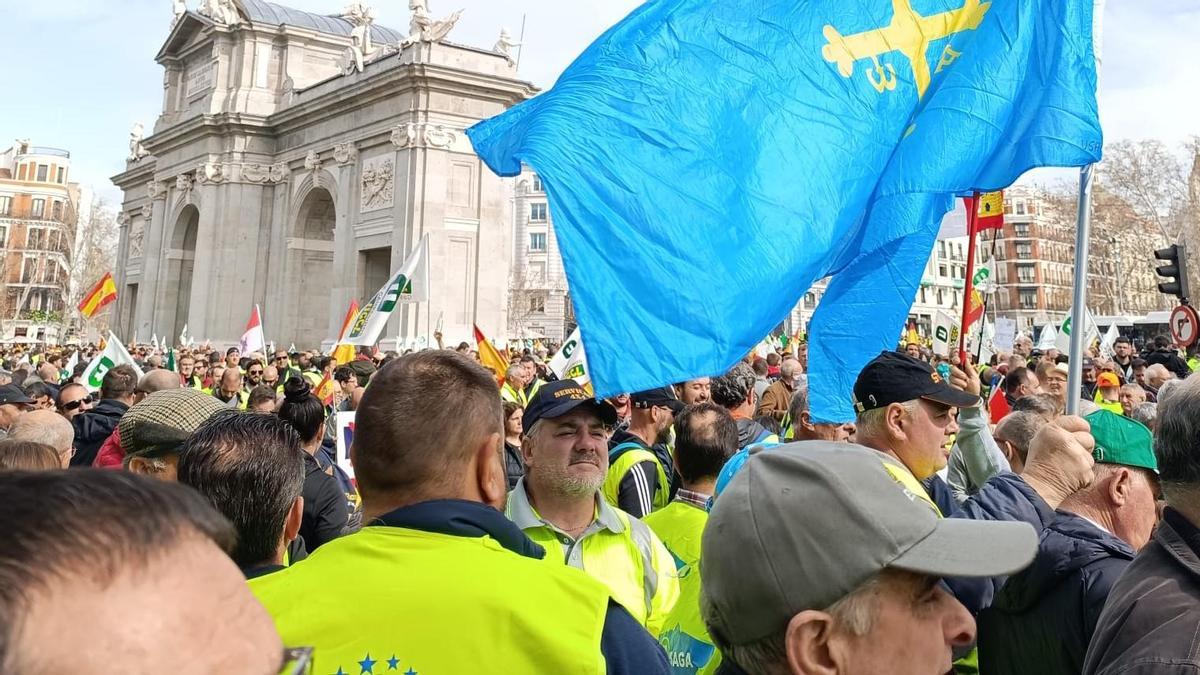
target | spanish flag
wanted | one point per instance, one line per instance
(325, 390)
(104, 292)
(989, 210)
(490, 357)
(344, 353)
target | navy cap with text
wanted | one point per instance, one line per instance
(894, 377)
(555, 399)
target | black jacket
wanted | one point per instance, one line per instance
(1149, 624)
(514, 466)
(325, 512)
(94, 427)
(635, 494)
(1043, 618)
(1170, 359)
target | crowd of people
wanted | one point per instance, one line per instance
(195, 518)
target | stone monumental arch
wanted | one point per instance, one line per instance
(297, 160)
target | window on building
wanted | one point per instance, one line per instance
(922, 296)
(537, 183)
(958, 251)
(1020, 207)
(537, 212)
(1025, 274)
(537, 241)
(28, 269)
(5, 206)
(39, 208)
(62, 174)
(1024, 251)
(3, 236)
(941, 249)
(34, 238)
(940, 297)
(1028, 298)
(1021, 229)
(43, 173)
(941, 270)
(537, 303)
(57, 211)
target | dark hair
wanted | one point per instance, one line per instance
(344, 373)
(36, 389)
(773, 359)
(733, 388)
(706, 436)
(417, 423)
(1042, 404)
(94, 524)
(321, 362)
(233, 350)
(18, 376)
(259, 394)
(1015, 378)
(1175, 438)
(1123, 339)
(509, 408)
(1138, 363)
(29, 455)
(119, 382)
(769, 423)
(301, 409)
(760, 367)
(1162, 342)
(251, 468)
(526, 358)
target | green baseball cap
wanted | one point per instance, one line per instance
(1120, 440)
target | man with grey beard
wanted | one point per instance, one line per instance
(558, 504)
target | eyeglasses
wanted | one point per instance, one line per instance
(256, 372)
(71, 405)
(297, 661)
(281, 357)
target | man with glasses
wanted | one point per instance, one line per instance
(73, 399)
(284, 365)
(640, 469)
(254, 374)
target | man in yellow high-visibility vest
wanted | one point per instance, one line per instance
(558, 503)
(472, 595)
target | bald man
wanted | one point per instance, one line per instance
(48, 427)
(157, 380)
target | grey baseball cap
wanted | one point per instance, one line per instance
(804, 524)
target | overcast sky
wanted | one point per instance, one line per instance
(78, 73)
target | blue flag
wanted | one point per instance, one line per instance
(706, 162)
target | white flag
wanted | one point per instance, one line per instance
(1047, 339)
(570, 363)
(1063, 341)
(1106, 344)
(71, 363)
(945, 333)
(183, 336)
(114, 354)
(410, 283)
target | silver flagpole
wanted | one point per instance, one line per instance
(1079, 308)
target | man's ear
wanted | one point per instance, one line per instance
(490, 476)
(813, 646)
(291, 524)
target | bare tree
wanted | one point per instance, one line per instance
(95, 250)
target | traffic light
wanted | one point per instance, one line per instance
(1174, 272)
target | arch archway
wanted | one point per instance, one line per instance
(310, 263)
(181, 260)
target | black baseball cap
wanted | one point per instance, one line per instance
(894, 377)
(661, 396)
(11, 393)
(555, 399)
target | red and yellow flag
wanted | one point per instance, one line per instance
(325, 390)
(103, 293)
(490, 357)
(989, 210)
(344, 353)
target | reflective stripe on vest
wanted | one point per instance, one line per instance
(636, 567)
(347, 602)
(621, 459)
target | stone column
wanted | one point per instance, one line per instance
(345, 251)
(119, 324)
(153, 258)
